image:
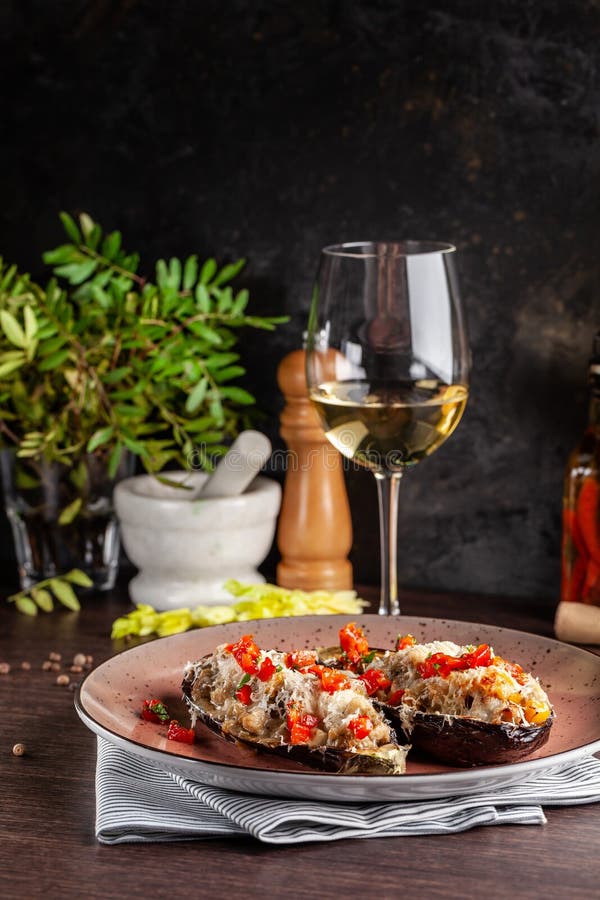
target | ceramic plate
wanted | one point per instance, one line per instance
(109, 701)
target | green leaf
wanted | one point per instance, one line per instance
(238, 395)
(12, 329)
(174, 368)
(229, 272)
(65, 593)
(162, 274)
(46, 331)
(199, 424)
(31, 349)
(11, 366)
(87, 224)
(102, 278)
(7, 277)
(70, 512)
(50, 345)
(174, 273)
(26, 605)
(76, 273)
(225, 301)
(99, 437)
(114, 459)
(28, 453)
(208, 270)
(129, 411)
(156, 460)
(115, 375)
(129, 393)
(31, 324)
(60, 255)
(191, 367)
(196, 397)
(190, 273)
(111, 245)
(25, 481)
(254, 322)
(217, 360)
(76, 576)
(216, 409)
(93, 238)
(202, 298)
(228, 372)
(43, 599)
(53, 361)
(240, 303)
(136, 447)
(70, 227)
(206, 333)
(209, 437)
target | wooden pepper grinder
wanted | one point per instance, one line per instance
(315, 529)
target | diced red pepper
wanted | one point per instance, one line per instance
(300, 659)
(299, 734)
(300, 725)
(406, 641)
(243, 694)
(436, 664)
(177, 732)
(266, 669)
(360, 726)
(481, 656)
(395, 697)
(246, 654)
(374, 680)
(154, 711)
(331, 679)
(442, 664)
(353, 642)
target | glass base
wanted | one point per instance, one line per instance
(62, 518)
(46, 549)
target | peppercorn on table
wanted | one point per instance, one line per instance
(47, 813)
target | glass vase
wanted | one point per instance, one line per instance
(62, 516)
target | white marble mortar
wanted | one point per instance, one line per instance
(186, 549)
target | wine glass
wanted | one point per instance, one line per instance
(387, 365)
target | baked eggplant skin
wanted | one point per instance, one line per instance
(458, 741)
(463, 742)
(389, 760)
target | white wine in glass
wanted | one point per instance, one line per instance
(387, 365)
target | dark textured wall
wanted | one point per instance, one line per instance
(269, 129)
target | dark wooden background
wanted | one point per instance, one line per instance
(267, 129)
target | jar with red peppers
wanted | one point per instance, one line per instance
(581, 507)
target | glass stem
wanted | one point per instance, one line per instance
(388, 485)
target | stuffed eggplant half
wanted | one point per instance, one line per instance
(288, 704)
(463, 705)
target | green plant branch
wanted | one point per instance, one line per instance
(9, 433)
(39, 596)
(110, 264)
(99, 363)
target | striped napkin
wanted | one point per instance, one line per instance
(136, 801)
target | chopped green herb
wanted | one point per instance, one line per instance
(243, 680)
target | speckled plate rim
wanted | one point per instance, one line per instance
(348, 788)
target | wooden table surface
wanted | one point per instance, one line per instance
(47, 804)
